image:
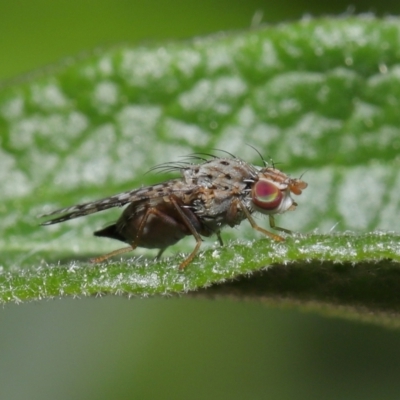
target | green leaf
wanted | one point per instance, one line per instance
(320, 97)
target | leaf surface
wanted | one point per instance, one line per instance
(319, 97)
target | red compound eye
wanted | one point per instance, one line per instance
(266, 195)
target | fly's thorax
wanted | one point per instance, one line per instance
(220, 173)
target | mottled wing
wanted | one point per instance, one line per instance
(119, 200)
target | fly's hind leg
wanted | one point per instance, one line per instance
(112, 254)
(188, 223)
(186, 219)
(135, 243)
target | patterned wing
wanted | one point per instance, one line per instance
(118, 200)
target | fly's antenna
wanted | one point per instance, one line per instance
(301, 176)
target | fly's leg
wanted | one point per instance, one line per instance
(109, 255)
(192, 230)
(254, 224)
(278, 228)
(218, 233)
(186, 220)
(135, 243)
(160, 253)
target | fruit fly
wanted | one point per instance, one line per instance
(211, 193)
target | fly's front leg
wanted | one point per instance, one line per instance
(254, 224)
(278, 228)
(188, 223)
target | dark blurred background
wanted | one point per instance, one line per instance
(115, 348)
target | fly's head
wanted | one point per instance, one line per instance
(271, 191)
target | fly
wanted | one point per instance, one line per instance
(211, 193)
